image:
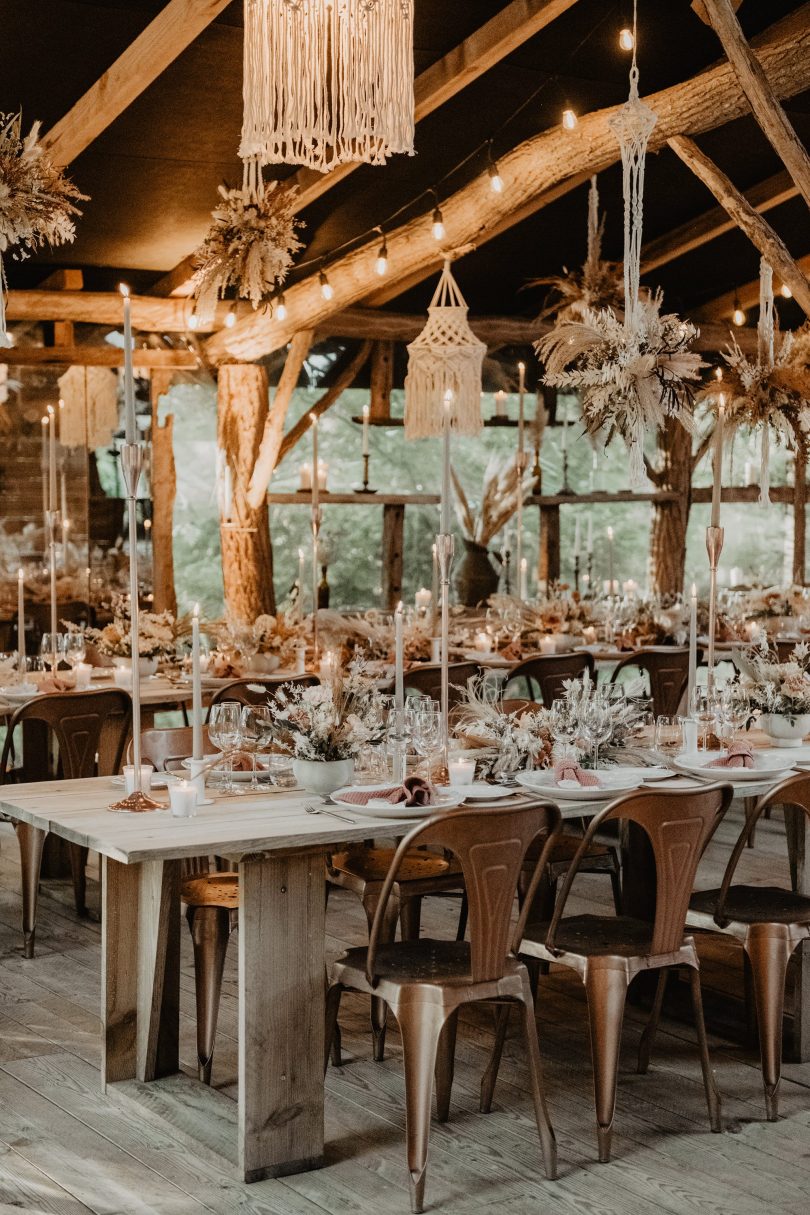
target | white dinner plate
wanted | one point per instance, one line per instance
(766, 767)
(15, 696)
(487, 660)
(615, 781)
(447, 801)
(479, 791)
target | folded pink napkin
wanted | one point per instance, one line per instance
(51, 684)
(413, 792)
(569, 769)
(739, 755)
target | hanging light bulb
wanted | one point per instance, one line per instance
(495, 179)
(786, 292)
(738, 316)
(230, 319)
(281, 308)
(438, 224)
(569, 119)
(381, 264)
(626, 39)
(193, 321)
(327, 290)
(718, 373)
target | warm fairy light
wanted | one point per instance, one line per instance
(495, 179)
(327, 290)
(381, 264)
(230, 319)
(626, 40)
(738, 316)
(786, 291)
(569, 119)
(123, 288)
(438, 224)
(718, 373)
(193, 321)
(610, 533)
(281, 308)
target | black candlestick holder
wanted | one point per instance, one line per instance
(365, 489)
(576, 573)
(565, 490)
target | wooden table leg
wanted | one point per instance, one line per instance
(158, 1033)
(281, 1014)
(119, 970)
(797, 826)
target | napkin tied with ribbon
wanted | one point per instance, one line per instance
(569, 770)
(414, 791)
(739, 755)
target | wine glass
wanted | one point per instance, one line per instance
(513, 622)
(427, 733)
(52, 649)
(493, 623)
(75, 648)
(597, 725)
(254, 733)
(668, 737)
(735, 710)
(224, 730)
(704, 709)
(563, 722)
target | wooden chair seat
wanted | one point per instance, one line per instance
(754, 905)
(372, 864)
(211, 890)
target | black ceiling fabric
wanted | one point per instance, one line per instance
(153, 173)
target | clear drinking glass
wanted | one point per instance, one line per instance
(563, 722)
(252, 737)
(427, 733)
(225, 732)
(75, 648)
(597, 726)
(52, 650)
(668, 737)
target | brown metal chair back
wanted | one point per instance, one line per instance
(547, 674)
(519, 706)
(163, 747)
(85, 725)
(667, 669)
(426, 680)
(795, 791)
(258, 691)
(678, 824)
(490, 846)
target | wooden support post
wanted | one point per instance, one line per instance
(548, 570)
(382, 379)
(164, 490)
(393, 544)
(800, 515)
(670, 518)
(247, 558)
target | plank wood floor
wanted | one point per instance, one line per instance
(65, 1148)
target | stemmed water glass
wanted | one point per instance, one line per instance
(597, 725)
(225, 732)
(75, 648)
(493, 623)
(735, 710)
(255, 731)
(563, 722)
(52, 649)
(668, 737)
(427, 732)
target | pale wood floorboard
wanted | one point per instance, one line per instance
(66, 1149)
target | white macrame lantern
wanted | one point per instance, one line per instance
(327, 81)
(445, 357)
(89, 416)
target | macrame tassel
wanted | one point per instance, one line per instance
(765, 325)
(765, 466)
(327, 83)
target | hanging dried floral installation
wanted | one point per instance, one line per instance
(37, 201)
(327, 83)
(446, 357)
(631, 371)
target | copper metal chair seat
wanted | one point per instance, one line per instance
(372, 864)
(753, 905)
(591, 936)
(415, 963)
(211, 890)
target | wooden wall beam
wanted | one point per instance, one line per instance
(707, 100)
(757, 229)
(104, 308)
(169, 33)
(95, 356)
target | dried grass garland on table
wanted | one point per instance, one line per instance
(37, 201)
(249, 247)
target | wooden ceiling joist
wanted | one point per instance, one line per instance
(105, 308)
(443, 80)
(711, 224)
(704, 102)
(746, 296)
(169, 33)
(95, 356)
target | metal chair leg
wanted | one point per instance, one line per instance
(607, 991)
(709, 1083)
(616, 882)
(490, 1076)
(544, 1128)
(332, 1029)
(31, 841)
(768, 948)
(78, 870)
(420, 1026)
(410, 919)
(445, 1066)
(210, 929)
(461, 931)
(651, 1028)
(379, 1009)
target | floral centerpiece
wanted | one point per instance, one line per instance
(521, 739)
(157, 637)
(324, 727)
(778, 691)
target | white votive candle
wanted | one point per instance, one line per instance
(462, 771)
(146, 777)
(548, 645)
(183, 799)
(483, 643)
(83, 673)
(422, 599)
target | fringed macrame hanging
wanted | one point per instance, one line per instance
(327, 81)
(445, 356)
(765, 338)
(90, 415)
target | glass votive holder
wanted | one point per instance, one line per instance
(183, 799)
(197, 774)
(146, 777)
(435, 649)
(83, 672)
(461, 771)
(279, 768)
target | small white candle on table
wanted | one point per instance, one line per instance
(183, 799)
(422, 599)
(483, 643)
(196, 687)
(524, 578)
(461, 771)
(548, 645)
(692, 677)
(399, 667)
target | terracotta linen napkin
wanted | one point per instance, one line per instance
(569, 769)
(51, 684)
(413, 792)
(739, 755)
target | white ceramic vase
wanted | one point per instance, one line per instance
(323, 776)
(146, 666)
(786, 731)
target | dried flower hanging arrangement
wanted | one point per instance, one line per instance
(499, 500)
(250, 245)
(633, 370)
(772, 392)
(37, 201)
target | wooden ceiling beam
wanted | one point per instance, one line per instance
(747, 296)
(105, 308)
(710, 99)
(95, 356)
(515, 24)
(711, 224)
(169, 33)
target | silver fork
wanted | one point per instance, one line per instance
(322, 810)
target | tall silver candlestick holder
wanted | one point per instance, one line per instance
(317, 518)
(714, 547)
(444, 551)
(137, 802)
(54, 520)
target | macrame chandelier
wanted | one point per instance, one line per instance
(327, 81)
(445, 358)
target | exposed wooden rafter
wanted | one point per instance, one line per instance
(169, 33)
(747, 296)
(95, 356)
(505, 32)
(708, 100)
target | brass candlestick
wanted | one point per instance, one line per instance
(444, 553)
(366, 489)
(137, 802)
(714, 547)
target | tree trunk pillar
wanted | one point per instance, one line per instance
(799, 513)
(670, 519)
(247, 556)
(164, 489)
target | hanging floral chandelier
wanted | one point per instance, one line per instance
(327, 81)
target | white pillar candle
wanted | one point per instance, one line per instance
(196, 687)
(183, 799)
(548, 645)
(576, 537)
(21, 624)
(422, 599)
(500, 403)
(129, 377)
(692, 677)
(521, 405)
(446, 490)
(314, 487)
(366, 413)
(461, 771)
(610, 560)
(51, 459)
(483, 643)
(718, 461)
(524, 578)
(305, 476)
(399, 661)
